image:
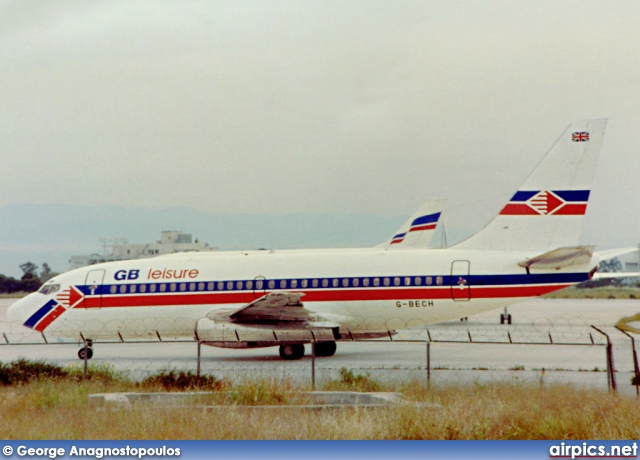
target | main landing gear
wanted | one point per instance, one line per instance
(292, 351)
(296, 350)
(325, 349)
(87, 351)
(505, 317)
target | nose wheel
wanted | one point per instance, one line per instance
(86, 352)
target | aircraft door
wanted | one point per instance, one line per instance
(460, 285)
(93, 290)
(259, 286)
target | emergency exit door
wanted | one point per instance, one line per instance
(460, 285)
(93, 289)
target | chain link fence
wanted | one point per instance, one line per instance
(534, 350)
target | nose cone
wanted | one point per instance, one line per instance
(22, 309)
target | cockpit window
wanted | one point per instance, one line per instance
(49, 289)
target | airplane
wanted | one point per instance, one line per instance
(289, 298)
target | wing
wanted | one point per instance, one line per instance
(275, 309)
(274, 318)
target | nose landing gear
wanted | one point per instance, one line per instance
(87, 351)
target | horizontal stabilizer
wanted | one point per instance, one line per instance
(611, 253)
(611, 275)
(559, 258)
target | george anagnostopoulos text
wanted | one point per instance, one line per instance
(98, 452)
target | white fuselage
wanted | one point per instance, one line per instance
(361, 290)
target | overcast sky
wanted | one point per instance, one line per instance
(286, 106)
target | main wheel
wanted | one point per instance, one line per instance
(85, 353)
(325, 349)
(292, 351)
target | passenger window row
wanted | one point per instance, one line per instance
(261, 284)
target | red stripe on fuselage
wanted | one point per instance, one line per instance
(50, 318)
(338, 295)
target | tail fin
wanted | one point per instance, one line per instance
(548, 209)
(419, 229)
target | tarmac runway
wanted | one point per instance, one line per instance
(549, 341)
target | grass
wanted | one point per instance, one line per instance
(182, 381)
(58, 410)
(595, 293)
(46, 405)
(14, 295)
(265, 391)
(23, 371)
(352, 382)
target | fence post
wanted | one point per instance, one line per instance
(313, 365)
(428, 364)
(611, 377)
(612, 368)
(636, 370)
(86, 357)
(198, 366)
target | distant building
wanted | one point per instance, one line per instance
(630, 261)
(630, 264)
(120, 249)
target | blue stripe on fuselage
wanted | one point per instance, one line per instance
(428, 281)
(37, 316)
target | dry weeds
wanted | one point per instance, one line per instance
(59, 410)
(607, 292)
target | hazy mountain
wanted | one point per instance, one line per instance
(52, 233)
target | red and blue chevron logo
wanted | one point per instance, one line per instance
(50, 311)
(547, 202)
